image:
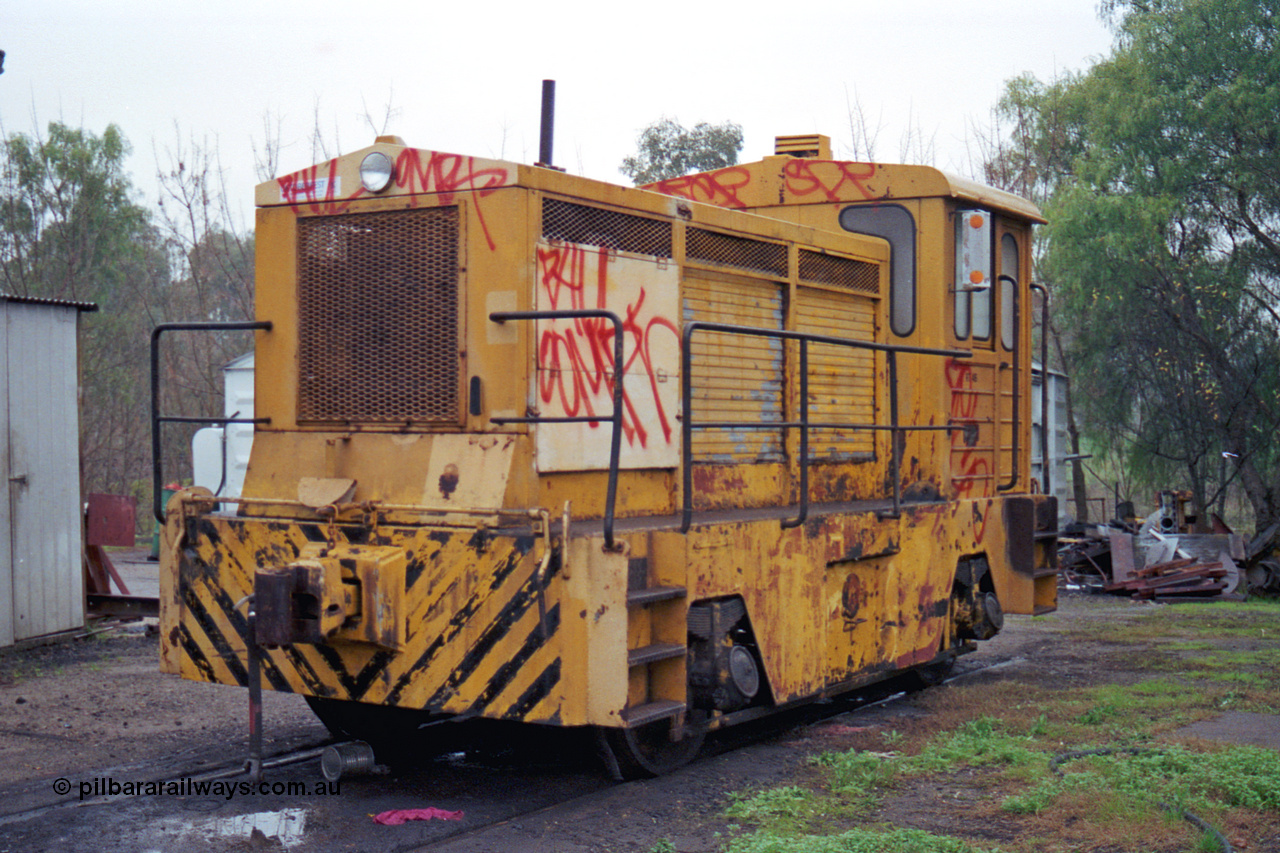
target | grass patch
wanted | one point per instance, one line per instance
(1005, 765)
(788, 810)
(770, 803)
(856, 774)
(975, 773)
(980, 742)
(856, 841)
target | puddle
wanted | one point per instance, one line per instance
(287, 826)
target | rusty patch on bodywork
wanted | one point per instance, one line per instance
(449, 480)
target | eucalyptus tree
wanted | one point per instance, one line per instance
(71, 229)
(667, 149)
(1164, 240)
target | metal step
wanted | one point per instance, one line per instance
(660, 710)
(656, 652)
(652, 595)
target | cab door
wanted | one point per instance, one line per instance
(985, 404)
(976, 384)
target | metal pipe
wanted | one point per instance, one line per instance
(804, 439)
(157, 475)
(619, 369)
(253, 767)
(548, 122)
(686, 397)
(896, 434)
(686, 427)
(1017, 400)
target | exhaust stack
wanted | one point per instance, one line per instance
(548, 123)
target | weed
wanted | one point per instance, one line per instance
(663, 845)
(974, 744)
(773, 802)
(1098, 714)
(1033, 800)
(854, 841)
(857, 774)
(1239, 776)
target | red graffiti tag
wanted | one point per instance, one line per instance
(832, 179)
(720, 187)
(972, 468)
(577, 362)
(449, 174)
(317, 189)
(961, 381)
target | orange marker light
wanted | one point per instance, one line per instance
(975, 221)
(976, 277)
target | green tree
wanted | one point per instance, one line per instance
(1161, 166)
(70, 229)
(667, 149)
(212, 280)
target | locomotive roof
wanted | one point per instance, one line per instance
(784, 180)
(775, 181)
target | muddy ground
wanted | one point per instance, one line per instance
(97, 707)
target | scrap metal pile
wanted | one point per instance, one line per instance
(1160, 559)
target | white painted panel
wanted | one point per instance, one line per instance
(48, 582)
(575, 358)
(6, 529)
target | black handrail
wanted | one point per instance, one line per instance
(1017, 400)
(804, 338)
(615, 419)
(157, 475)
(1044, 386)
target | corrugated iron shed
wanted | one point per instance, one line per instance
(41, 580)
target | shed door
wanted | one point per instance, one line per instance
(42, 500)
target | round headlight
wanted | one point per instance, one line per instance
(376, 172)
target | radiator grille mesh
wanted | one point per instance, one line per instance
(594, 226)
(727, 250)
(841, 272)
(378, 317)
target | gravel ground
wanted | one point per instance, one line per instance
(98, 707)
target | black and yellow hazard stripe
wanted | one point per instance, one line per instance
(482, 628)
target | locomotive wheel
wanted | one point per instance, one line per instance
(394, 733)
(647, 751)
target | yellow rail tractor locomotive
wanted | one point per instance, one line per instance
(654, 461)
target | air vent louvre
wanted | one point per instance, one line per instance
(711, 247)
(594, 226)
(854, 275)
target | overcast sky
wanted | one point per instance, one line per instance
(467, 78)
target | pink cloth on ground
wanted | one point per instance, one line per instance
(395, 817)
